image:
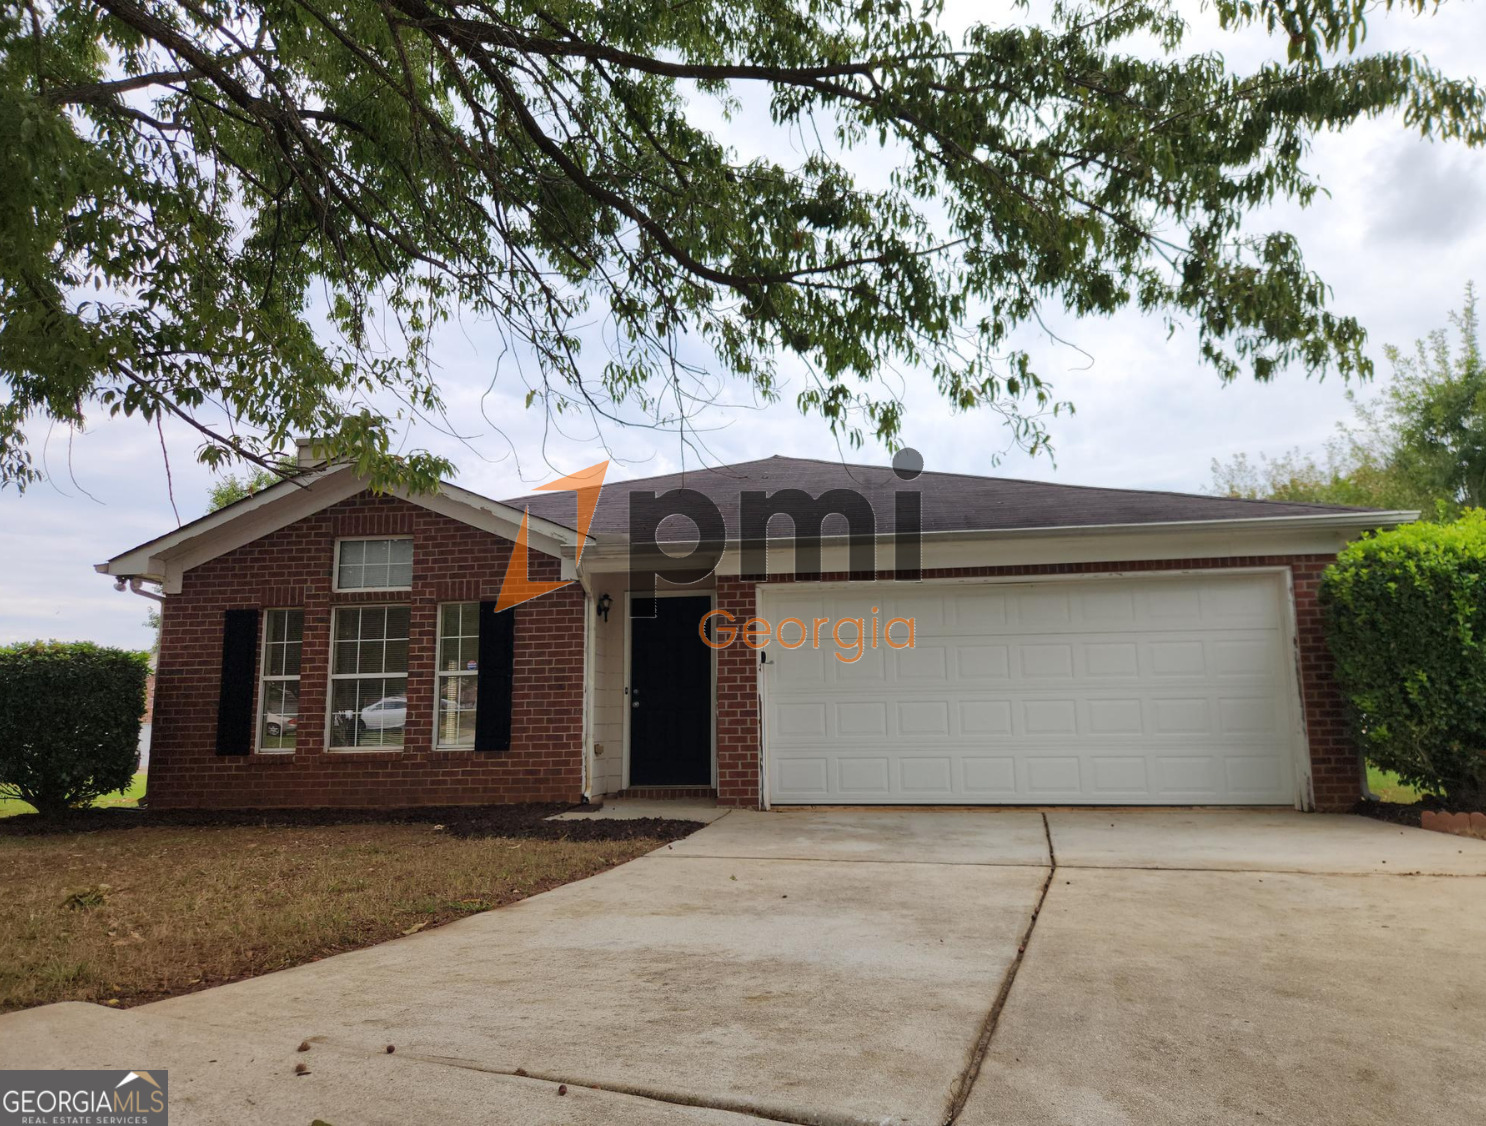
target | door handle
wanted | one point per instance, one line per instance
(634, 697)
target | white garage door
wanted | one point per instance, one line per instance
(1162, 690)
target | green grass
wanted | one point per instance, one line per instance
(9, 807)
(1387, 787)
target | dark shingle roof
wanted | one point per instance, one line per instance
(952, 502)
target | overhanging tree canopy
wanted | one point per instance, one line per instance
(196, 187)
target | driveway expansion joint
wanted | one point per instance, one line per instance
(1416, 873)
(960, 1092)
(659, 855)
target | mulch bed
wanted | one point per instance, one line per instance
(1395, 813)
(1410, 814)
(526, 821)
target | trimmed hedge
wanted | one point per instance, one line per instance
(1406, 621)
(69, 721)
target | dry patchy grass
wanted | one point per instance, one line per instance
(124, 917)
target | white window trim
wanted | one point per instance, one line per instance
(265, 678)
(439, 674)
(333, 676)
(335, 567)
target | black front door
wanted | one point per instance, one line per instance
(670, 695)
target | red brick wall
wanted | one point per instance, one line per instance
(738, 781)
(452, 562)
(1336, 773)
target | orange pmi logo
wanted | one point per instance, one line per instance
(517, 585)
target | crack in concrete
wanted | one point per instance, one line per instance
(960, 1092)
(764, 1112)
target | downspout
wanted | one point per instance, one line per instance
(134, 584)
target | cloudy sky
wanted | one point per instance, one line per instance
(1398, 238)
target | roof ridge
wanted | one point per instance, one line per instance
(1255, 501)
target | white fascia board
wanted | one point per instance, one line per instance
(257, 515)
(166, 559)
(1321, 534)
(497, 518)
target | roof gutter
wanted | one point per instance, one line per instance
(1360, 521)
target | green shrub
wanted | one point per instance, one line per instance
(1406, 620)
(69, 721)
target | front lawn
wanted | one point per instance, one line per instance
(124, 916)
(9, 807)
(1386, 786)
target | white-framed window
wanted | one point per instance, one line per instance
(378, 563)
(458, 674)
(278, 686)
(368, 677)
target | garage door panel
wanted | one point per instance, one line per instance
(923, 718)
(1119, 659)
(1043, 661)
(980, 663)
(1181, 715)
(801, 666)
(803, 778)
(1103, 609)
(1053, 776)
(1252, 774)
(870, 667)
(932, 612)
(1116, 717)
(928, 663)
(1247, 715)
(1122, 776)
(1242, 656)
(1128, 691)
(927, 774)
(862, 718)
(980, 612)
(985, 717)
(1176, 658)
(863, 776)
(1186, 777)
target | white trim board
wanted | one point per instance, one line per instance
(166, 558)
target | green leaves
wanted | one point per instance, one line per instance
(1421, 445)
(1406, 621)
(69, 721)
(269, 209)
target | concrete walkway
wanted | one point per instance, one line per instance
(880, 966)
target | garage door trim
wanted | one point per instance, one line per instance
(1283, 589)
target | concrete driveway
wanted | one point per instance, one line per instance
(880, 966)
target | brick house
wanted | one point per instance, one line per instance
(946, 639)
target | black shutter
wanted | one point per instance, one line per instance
(493, 687)
(239, 677)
